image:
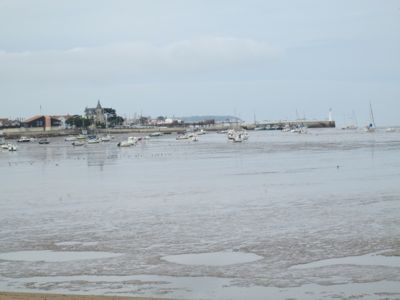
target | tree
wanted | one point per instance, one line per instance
(115, 120)
(79, 122)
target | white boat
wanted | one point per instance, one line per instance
(195, 138)
(201, 132)
(106, 138)
(12, 147)
(390, 129)
(5, 146)
(70, 138)
(93, 141)
(157, 133)
(24, 139)
(237, 136)
(124, 144)
(352, 123)
(350, 127)
(300, 130)
(133, 140)
(182, 137)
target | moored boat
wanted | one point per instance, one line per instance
(44, 141)
(12, 147)
(78, 143)
(24, 139)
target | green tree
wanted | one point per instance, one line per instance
(115, 120)
(79, 122)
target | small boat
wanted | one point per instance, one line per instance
(77, 143)
(154, 134)
(82, 137)
(106, 138)
(201, 132)
(12, 147)
(124, 144)
(24, 139)
(299, 129)
(182, 137)
(371, 126)
(93, 141)
(44, 141)
(350, 127)
(5, 146)
(194, 138)
(70, 138)
(237, 136)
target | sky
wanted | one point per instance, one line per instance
(255, 59)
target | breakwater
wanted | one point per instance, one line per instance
(278, 125)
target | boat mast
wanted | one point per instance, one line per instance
(371, 114)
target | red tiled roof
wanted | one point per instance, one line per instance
(33, 118)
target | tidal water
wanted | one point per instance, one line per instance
(281, 216)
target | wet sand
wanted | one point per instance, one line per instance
(31, 296)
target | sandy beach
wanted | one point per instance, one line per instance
(31, 296)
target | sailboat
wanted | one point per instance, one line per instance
(371, 126)
(352, 125)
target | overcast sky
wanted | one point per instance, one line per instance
(247, 58)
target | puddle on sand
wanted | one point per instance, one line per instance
(55, 256)
(213, 258)
(362, 260)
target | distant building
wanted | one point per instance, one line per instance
(99, 114)
(46, 122)
(7, 123)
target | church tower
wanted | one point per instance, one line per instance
(99, 119)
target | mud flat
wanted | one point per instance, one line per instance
(30, 296)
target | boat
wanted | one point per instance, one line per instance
(299, 129)
(237, 136)
(201, 132)
(124, 144)
(371, 126)
(24, 139)
(93, 141)
(12, 147)
(353, 123)
(182, 137)
(77, 143)
(350, 127)
(157, 133)
(44, 141)
(106, 138)
(390, 129)
(70, 138)
(195, 138)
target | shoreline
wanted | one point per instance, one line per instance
(44, 296)
(15, 134)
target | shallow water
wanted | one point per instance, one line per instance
(290, 199)
(213, 259)
(54, 256)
